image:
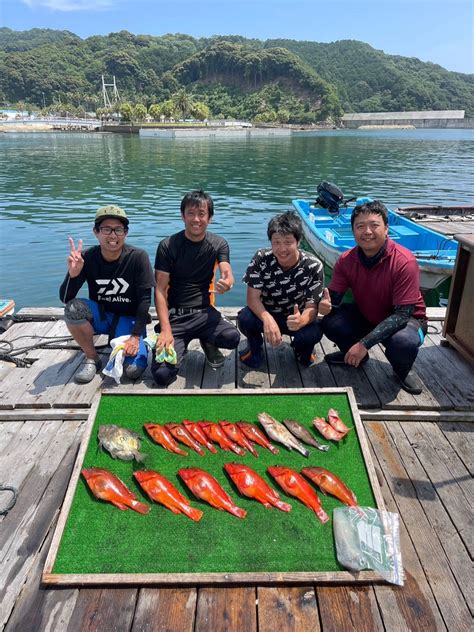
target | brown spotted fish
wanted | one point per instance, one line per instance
(304, 434)
(277, 431)
(120, 443)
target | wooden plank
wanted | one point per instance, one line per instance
(43, 414)
(413, 605)
(319, 374)
(282, 366)
(458, 375)
(170, 609)
(7, 433)
(27, 446)
(25, 527)
(356, 378)
(103, 609)
(348, 608)
(223, 609)
(437, 513)
(451, 480)
(223, 377)
(288, 609)
(19, 379)
(74, 395)
(38, 609)
(435, 563)
(251, 378)
(459, 436)
(417, 415)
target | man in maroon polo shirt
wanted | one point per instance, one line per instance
(388, 307)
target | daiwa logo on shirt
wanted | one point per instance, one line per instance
(112, 289)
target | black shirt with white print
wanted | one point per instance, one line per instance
(122, 286)
(282, 289)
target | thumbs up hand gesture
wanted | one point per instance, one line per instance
(294, 321)
(325, 304)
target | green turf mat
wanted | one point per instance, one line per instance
(99, 538)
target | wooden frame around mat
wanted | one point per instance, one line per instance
(338, 577)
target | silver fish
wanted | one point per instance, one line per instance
(304, 434)
(120, 443)
(277, 431)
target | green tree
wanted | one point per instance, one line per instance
(155, 111)
(200, 111)
(126, 111)
(182, 103)
(139, 112)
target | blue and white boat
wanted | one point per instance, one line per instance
(330, 234)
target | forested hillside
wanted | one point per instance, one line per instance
(272, 80)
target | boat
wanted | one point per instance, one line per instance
(329, 233)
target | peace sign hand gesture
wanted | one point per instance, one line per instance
(75, 262)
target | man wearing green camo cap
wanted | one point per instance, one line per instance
(119, 279)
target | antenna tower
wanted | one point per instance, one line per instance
(105, 94)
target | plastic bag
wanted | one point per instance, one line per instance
(367, 538)
(114, 366)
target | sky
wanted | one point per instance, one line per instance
(439, 31)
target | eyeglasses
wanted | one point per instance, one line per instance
(108, 230)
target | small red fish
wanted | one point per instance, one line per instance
(326, 430)
(205, 487)
(161, 490)
(252, 485)
(106, 486)
(180, 433)
(330, 484)
(163, 437)
(256, 435)
(216, 434)
(295, 485)
(198, 433)
(336, 422)
(235, 434)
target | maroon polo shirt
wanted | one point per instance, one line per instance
(394, 280)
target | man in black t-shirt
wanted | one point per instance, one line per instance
(285, 286)
(119, 279)
(185, 265)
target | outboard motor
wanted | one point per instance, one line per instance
(329, 197)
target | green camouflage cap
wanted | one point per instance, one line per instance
(111, 211)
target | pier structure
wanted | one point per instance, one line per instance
(421, 446)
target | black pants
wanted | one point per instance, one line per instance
(208, 326)
(303, 340)
(345, 326)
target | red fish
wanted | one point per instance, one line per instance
(205, 487)
(198, 433)
(161, 435)
(336, 422)
(181, 434)
(256, 435)
(326, 430)
(235, 434)
(330, 484)
(216, 434)
(161, 490)
(252, 485)
(295, 485)
(106, 486)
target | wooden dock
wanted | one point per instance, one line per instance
(421, 446)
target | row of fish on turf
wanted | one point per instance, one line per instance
(106, 486)
(236, 437)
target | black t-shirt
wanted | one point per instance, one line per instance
(191, 266)
(120, 286)
(282, 289)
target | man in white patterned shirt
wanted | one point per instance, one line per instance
(284, 287)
